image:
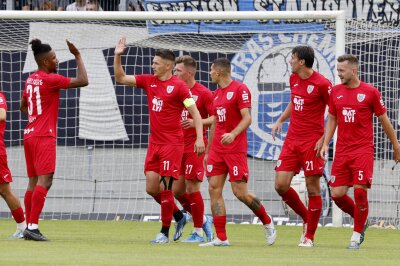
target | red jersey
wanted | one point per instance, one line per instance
(165, 103)
(42, 94)
(353, 108)
(227, 105)
(309, 98)
(3, 105)
(204, 102)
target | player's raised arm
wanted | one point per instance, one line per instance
(119, 72)
(81, 79)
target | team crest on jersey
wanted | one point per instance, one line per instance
(195, 97)
(360, 97)
(278, 163)
(310, 89)
(209, 167)
(229, 95)
(170, 88)
(333, 179)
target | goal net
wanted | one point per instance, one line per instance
(103, 128)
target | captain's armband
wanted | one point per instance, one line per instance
(189, 102)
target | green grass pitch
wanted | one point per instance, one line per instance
(127, 243)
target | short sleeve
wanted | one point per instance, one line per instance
(3, 102)
(325, 90)
(331, 105)
(57, 82)
(209, 102)
(244, 97)
(142, 81)
(377, 103)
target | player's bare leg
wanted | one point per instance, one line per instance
(14, 205)
(314, 210)
(215, 188)
(283, 180)
(43, 185)
(240, 190)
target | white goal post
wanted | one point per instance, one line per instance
(100, 162)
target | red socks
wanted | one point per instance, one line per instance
(28, 204)
(38, 199)
(360, 209)
(197, 208)
(158, 200)
(262, 214)
(18, 215)
(219, 224)
(314, 212)
(345, 203)
(167, 207)
(292, 199)
(185, 202)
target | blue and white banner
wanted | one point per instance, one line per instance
(383, 11)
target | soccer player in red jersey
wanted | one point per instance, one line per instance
(226, 151)
(6, 178)
(187, 188)
(166, 96)
(309, 98)
(351, 108)
(40, 101)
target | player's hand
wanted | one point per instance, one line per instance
(199, 147)
(396, 153)
(205, 161)
(277, 127)
(187, 123)
(121, 45)
(323, 151)
(318, 146)
(227, 138)
(72, 48)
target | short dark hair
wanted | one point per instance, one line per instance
(166, 54)
(223, 63)
(348, 57)
(187, 61)
(39, 48)
(306, 53)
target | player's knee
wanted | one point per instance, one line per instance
(152, 192)
(214, 190)
(281, 188)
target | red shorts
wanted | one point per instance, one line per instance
(192, 166)
(164, 159)
(40, 155)
(348, 170)
(233, 163)
(300, 154)
(5, 174)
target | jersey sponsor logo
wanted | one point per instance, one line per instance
(28, 130)
(157, 104)
(209, 167)
(298, 103)
(170, 88)
(229, 95)
(245, 96)
(265, 69)
(221, 112)
(348, 114)
(360, 97)
(184, 115)
(310, 89)
(381, 102)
